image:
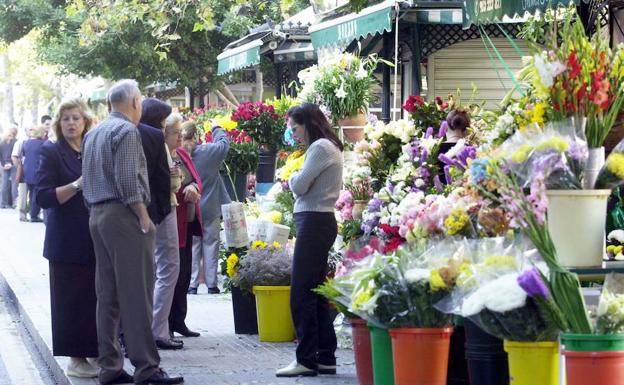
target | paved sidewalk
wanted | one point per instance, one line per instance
(217, 357)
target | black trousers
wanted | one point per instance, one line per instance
(34, 206)
(177, 315)
(316, 233)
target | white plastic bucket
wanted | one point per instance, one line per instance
(576, 220)
(595, 162)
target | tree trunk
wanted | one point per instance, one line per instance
(259, 84)
(225, 99)
(200, 94)
(230, 96)
(9, 109)
(34, 110)
(191, 99)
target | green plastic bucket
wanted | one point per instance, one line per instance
(381, 351)
(592, 342)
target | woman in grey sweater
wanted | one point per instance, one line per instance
(316, 187)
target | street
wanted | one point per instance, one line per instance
(218, 356)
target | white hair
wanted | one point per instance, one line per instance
(173, 119)
(123, 92)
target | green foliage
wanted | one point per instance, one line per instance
(285, 203)
(242, 158)
(351, 230)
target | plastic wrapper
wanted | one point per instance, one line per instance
(503, 292)
(557, 154)
(610, 313)
(612, 173)
(400, 290)
(234, 224)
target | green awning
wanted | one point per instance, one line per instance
(98, 95)
(240, 57)
(343, 30)
(493, 11)
(439, 16)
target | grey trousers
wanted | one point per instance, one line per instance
(124, 284)
(167, 258)
(208, 249)
(22, 199)
(8, 191)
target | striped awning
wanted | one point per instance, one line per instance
(439, 16)
(488, 11)
(243, 56)
(343, 30)
(292, 51)
(98, 95)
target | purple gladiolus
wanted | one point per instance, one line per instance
(443, 129)
(447, 174)
(429, 132)
(437, 183)
(531, 282)
(446, 160)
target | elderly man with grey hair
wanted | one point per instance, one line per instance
(116, 189)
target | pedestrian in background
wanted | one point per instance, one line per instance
(67, 245)
(22, 187)
(116, 188)
(208, 159)
(316, 187)
(162, 180)
(189, 220)
(8, 190)
(46, 122)
(31, 151)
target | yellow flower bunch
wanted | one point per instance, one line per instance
(276, 244)
(272, 216)
(615, 164)
(436, 282)
(500, 262)
(456, 221)
(361, 298)
(522, 153)
(232, 265)
(294, 162)
(556, 143)
(226, 122)
(615, 249)
(258, 244)
(537, 114)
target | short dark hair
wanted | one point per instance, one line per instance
(458, 120)
(315, 122)
(154, 112)
(45, 117)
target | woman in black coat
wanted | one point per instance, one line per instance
(68, 244)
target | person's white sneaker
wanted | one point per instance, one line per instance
(79, 367)
(295, 369)
(326, 369)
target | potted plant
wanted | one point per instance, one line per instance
(266, 270)
(343, 85)
(361, 190)
(425, 114)
(266, 128)
(243, 302)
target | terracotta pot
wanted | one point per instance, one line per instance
(353, 127)
(358, 208)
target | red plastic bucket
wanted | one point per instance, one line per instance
(420, 355)
(362, 351)
(600, 368)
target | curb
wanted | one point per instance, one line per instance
(41, 347)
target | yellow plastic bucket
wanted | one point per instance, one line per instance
(533, 363)
(273, 308)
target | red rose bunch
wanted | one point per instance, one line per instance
(261, 123)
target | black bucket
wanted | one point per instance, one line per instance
(457, 373)
(240, 186)
(245, 317)
(266, 167)
(487, 360)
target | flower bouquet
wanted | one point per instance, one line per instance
(615, 247)
(610, 312)
(342, 83)
(261, 123)
(263, 265)
(425, 114)
(504, 294)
